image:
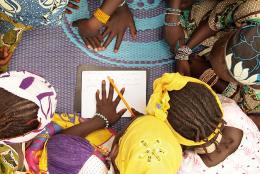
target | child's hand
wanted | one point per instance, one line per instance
(5, 56)
(183, 67)
(173, 35)
(72, 6)
(117, 25)
(89, 30)
(137, 113)
(106, 106)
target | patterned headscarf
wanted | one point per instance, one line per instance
(149, 147)
(243, 56)
(36, 89)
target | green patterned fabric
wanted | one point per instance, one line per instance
(248, 99)
(8, 159)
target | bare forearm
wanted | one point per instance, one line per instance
(85, 128)
(174, 3)
(110, 6)
(200, 34)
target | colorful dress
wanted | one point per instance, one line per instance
(17, 16)
(222, 16)
(90, 153)
(8, 159)
(246, 159)
(35, 89)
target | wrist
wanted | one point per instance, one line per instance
(110, 6)
(99, 122)
(103, 119)
(174, 3)
(96, 22)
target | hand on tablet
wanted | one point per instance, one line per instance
(106, 106)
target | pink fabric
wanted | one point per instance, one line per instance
(245, 160)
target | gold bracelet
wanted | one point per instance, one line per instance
(101, 16)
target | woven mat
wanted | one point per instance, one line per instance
(55, 53)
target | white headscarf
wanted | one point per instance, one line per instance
(36, 89)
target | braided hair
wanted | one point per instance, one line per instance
(194, 112)
(18, 116)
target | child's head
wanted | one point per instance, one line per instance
(191, 107)
(17, 115)
(26, 107)
(194, 111)
(147, 146)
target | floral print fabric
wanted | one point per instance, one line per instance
(243, 55)
(34, 12)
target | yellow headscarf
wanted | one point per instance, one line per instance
(159, 102)
(148, 147)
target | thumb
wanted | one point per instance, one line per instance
(121, 112)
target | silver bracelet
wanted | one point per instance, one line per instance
(104, 118)
(173, 10)
(183, 53)
(172, 24)
(123, 3)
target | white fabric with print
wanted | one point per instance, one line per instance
(245, 160)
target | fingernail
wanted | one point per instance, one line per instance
(103, 81)
(115, 51)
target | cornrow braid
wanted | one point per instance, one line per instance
(18, 116)
(194, 112)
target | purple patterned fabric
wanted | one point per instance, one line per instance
(33, 88)
(67, 154)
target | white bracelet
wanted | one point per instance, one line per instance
(183, 53)
(104, 118)
(123, 3)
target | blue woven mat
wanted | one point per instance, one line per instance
(55, 53)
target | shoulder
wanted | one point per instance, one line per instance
(233, 114)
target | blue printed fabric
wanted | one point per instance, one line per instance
(34, 12)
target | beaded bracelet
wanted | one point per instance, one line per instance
(172, 24)
(214, 81)
(183, 53)
(104, 118)
(173, 10)
(172, 13)
(101, 16)
(230, 90)
(207, 75)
